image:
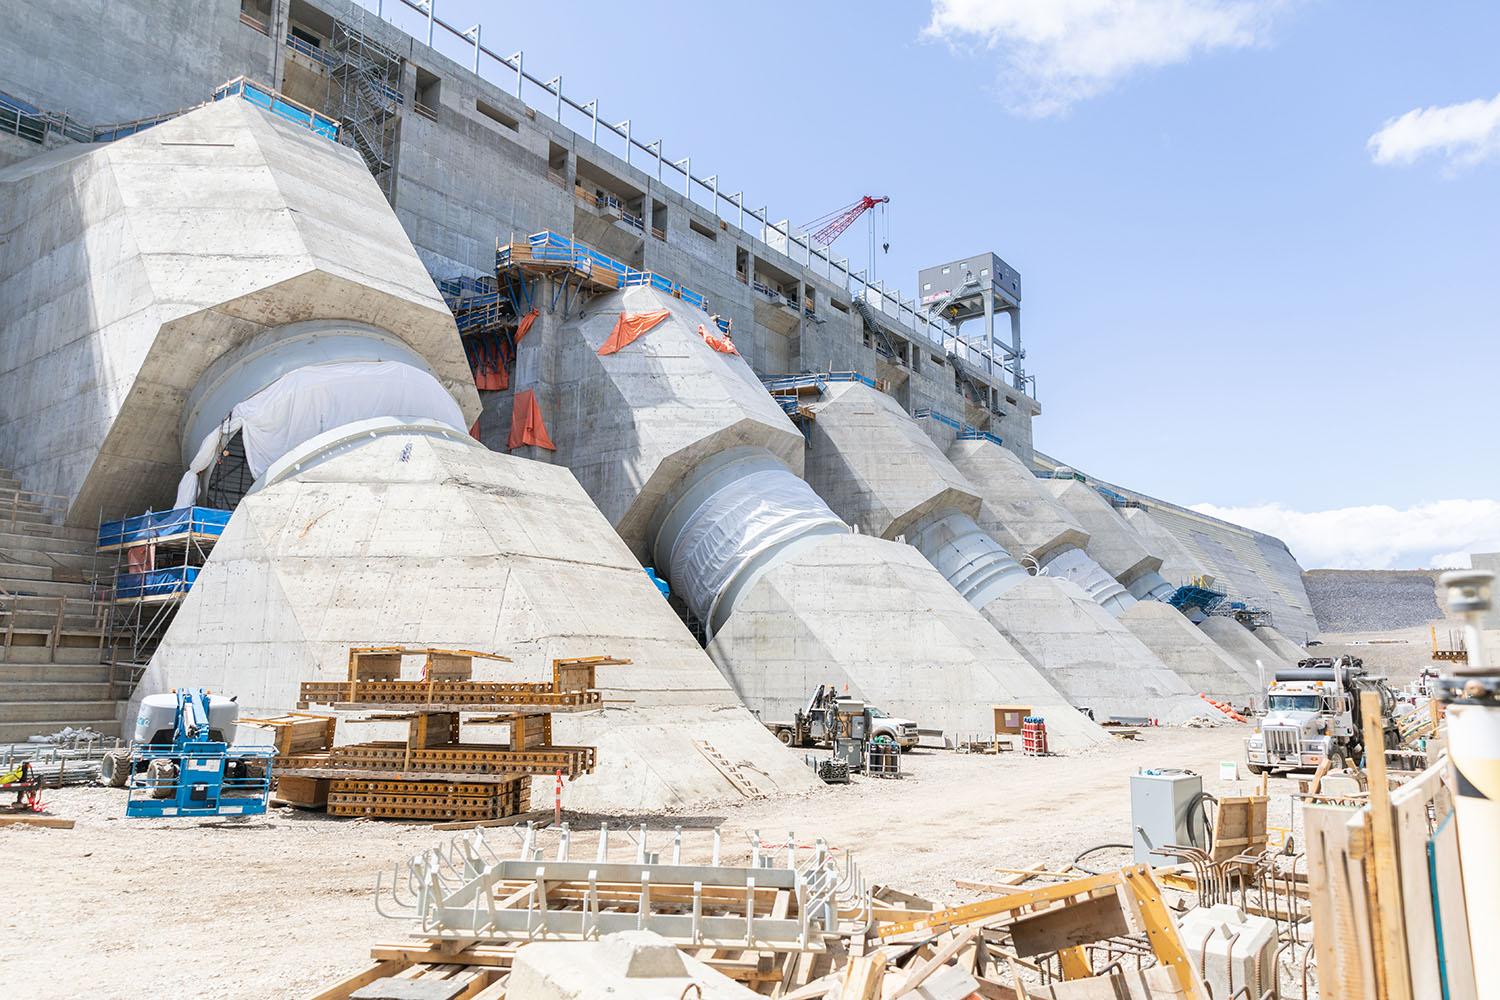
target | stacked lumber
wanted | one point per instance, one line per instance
(433, 774)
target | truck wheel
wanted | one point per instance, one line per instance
(114, 767)
(161, 777)
(1255, 769)
(785, 736)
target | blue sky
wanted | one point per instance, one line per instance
(1228, 300)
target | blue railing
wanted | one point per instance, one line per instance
(966, 432)
(975, 434)
(270, 100)
(550, 248)
(788, 383)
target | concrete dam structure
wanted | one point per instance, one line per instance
(392, 525)
(463, 360)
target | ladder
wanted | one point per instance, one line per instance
(736, 775)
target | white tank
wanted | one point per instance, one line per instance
(157, 718)
(1233, 949)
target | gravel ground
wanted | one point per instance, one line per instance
(277, 905)
(1345, 600)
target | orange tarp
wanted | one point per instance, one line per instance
(631, 326)
(525, 325)
(474, 431)
(526, 426)
(721, 344)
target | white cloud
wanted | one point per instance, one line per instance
(1464, 134)
(1430, 535)
(1059, 52)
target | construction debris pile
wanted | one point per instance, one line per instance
(649, 915)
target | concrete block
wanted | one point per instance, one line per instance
(630, 965)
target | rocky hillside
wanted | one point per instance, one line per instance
(1348, 600)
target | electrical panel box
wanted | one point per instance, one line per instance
(1166, 807)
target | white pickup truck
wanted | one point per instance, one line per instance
(815, 725)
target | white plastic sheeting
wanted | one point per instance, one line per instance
(767, 508)
(304, 403)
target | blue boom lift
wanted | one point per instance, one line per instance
(197, 773)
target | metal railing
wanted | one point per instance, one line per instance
(273, 101)
(313, 52)
(14, 121)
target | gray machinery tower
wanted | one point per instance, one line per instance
(978, 287)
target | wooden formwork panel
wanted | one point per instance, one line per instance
(529, 732)
(298, 732)
(433, 729)
(471, 695)
(462, 758)
(428, 800)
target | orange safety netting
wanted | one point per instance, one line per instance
(526, 425)
(631, 326)
(490, 358)
(721, 344)
(525, 324)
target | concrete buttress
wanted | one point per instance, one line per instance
(697, 467)
(877, 469)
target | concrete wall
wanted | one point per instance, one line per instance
(111, 61)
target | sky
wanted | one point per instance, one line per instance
(1257, 238)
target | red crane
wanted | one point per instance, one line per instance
(831, 226)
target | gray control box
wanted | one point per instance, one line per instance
(1165, 808)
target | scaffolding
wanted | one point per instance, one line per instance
(364, 81)
(156, 559)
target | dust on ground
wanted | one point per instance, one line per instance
(278, 905)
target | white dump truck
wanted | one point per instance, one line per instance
(1313, 713)
(817, 724)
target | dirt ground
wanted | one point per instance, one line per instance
(277, 905)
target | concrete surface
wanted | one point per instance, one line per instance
(1178, 566)
(1018, 504)
(1193, 656)
(1240, 643)
(1280, 646)
(481, 165)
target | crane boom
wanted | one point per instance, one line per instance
(830, 227)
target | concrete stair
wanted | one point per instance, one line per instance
(53, 636)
